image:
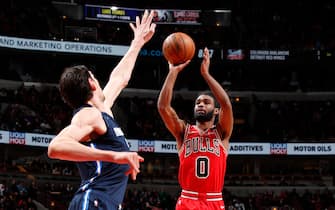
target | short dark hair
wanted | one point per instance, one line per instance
(209, 93)
(74, 87)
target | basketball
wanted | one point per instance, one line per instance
(178, 47)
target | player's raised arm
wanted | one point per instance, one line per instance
(143, 31)
(174, 124)
(225, 120)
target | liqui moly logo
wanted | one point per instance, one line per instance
(17, 138)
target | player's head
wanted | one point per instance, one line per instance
(75, 85)
(205, 108)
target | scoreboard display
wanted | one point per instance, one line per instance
(121, 14)
(108, 13)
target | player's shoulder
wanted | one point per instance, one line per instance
(87, 115)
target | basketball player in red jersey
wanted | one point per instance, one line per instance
(202, 147)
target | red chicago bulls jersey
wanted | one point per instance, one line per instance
(202, 159)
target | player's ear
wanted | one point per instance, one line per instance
(216, 111)
(92, 84)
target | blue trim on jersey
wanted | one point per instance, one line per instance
(83, 188)
(98, 171)
(86, 200)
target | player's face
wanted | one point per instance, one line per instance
(204, 108)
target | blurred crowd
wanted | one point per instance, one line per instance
(32, 110)
(29, 195)
(41, 110)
